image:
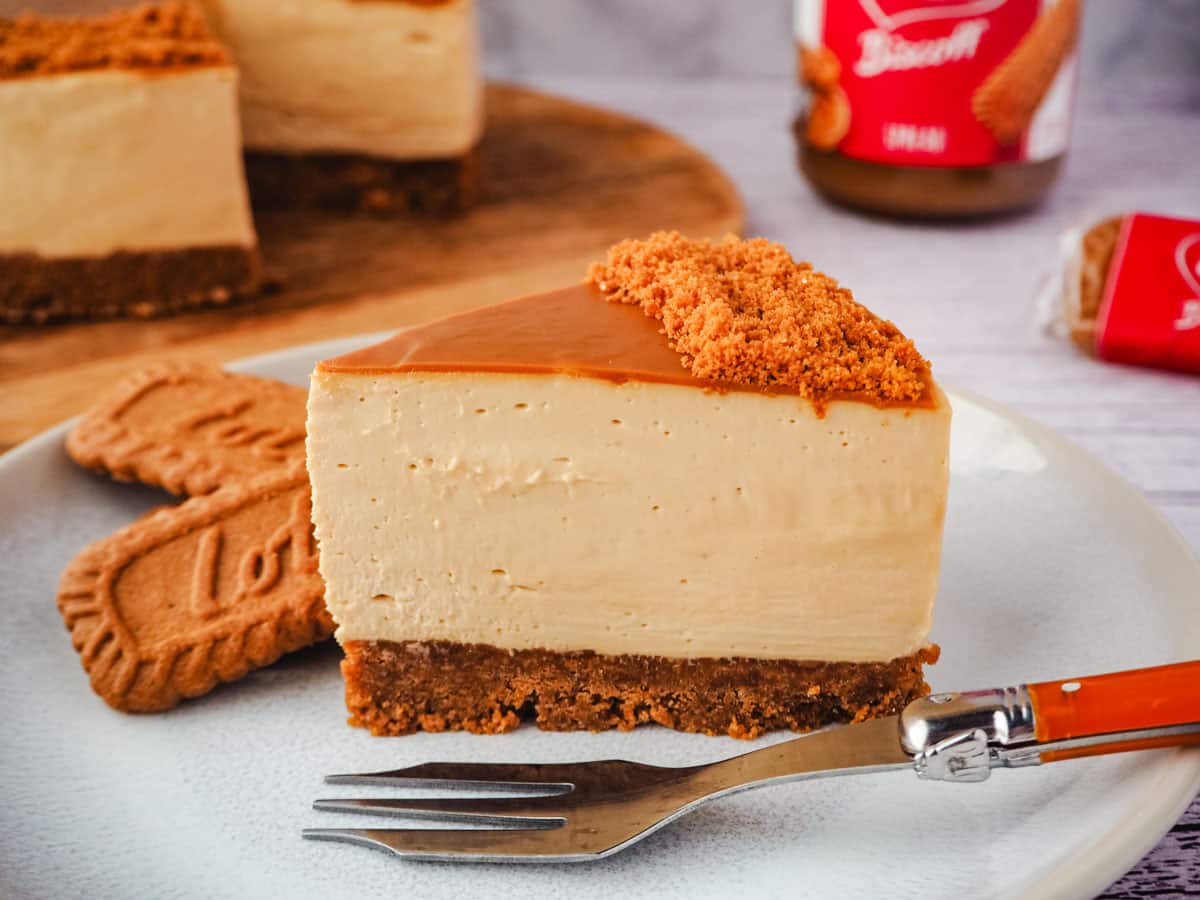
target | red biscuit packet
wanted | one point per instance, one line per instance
(1131, 290)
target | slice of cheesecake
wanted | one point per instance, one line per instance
(120, 167)
(705, 489)
(358, 104)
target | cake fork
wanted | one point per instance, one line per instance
(575, 812)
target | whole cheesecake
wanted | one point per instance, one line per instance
(371, 105)
(121, 182)
(705, 489)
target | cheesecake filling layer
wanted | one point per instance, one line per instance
(389, 79)
(566, 512)
(111, 160)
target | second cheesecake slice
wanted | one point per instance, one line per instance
(704, 489)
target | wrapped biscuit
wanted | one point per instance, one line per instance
(1128, 290)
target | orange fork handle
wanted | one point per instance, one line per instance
(1136, 700)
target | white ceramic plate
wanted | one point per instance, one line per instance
(1053, 566)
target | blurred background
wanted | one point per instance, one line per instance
(1146, 50)
(722, 76)
(530, 40)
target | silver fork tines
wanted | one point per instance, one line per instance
(497, 779)
(502, 812)
(480, 845)
(574, 812)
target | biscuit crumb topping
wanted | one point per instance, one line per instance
(148, 36)
(745, 312)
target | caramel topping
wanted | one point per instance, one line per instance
(150, 36)
(569, 331)
(745, 313)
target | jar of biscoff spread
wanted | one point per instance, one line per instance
(935, 108)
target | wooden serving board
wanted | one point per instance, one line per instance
(562, 181)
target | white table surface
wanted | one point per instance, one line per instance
(966, 293)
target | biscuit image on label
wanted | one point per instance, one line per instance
(1008, 98)
(191, 429)
(819, 67)
(190, 596)
(828, 118)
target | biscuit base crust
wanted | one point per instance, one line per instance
(362, 184)
(395, 688)
(37, 289)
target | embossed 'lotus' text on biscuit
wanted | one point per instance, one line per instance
(191, 596)
(191, 429)
(194, 595)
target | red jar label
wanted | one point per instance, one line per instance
(945, 84)
(1150, 313)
